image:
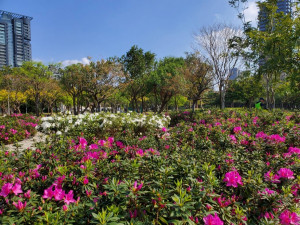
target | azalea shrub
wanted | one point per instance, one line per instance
(17, 127)
(102, 124)
(220, 167)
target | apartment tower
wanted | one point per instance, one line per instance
(15, 37)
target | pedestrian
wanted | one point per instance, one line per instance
(260, 104)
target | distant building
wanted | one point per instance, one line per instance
(235, 72)
(15, 37)
(284, 6)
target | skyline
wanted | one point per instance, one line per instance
(100, 29)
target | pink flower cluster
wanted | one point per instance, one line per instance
(233, 179)
(289, 218)
(59, 194)
(212, 220)
(284, 173)
(10, 188)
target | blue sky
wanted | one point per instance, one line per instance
(70, 30)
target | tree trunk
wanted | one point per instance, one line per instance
(74, 105)
(194, 105)
(37, 105)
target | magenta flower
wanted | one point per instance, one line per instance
(58, 194)
(85, 181)
(82, 142)
(164, 129)
(8, 188)
(212, 220)
(269, 176)
(140, 152)
(27, 194)
(20, 206)
(233, 178)
(285, 173)
(136, 187)
(261, 135)
(93, 146)
(69, 198)
(48, 193)
(237, 129)
(294, 150)
(289, 218)
(65, 208)
(233, 138)
(276, 139)
(16, 189)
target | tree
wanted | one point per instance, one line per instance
(52, 94)
(102, 78)
(136, 65)
(198, 75)
(246, 88)
(13, 82)
(74, 83)
(167, 80)
(37, 76)
(215, 43)
(276, 49)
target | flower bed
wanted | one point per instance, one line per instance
(17, 127)
(102, 124)
(225, 168)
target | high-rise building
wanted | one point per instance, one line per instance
(284, 6)
(15, 37)
(235, 72)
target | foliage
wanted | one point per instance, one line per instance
(17, 127)
(231, 167)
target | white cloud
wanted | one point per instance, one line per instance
(68, 62)
(251, 13)
(37, 60)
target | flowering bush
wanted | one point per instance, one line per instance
(102, 124)
(16, 128)
(203, 171)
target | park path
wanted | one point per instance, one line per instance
(28, 143)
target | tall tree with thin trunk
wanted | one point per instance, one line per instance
(214, 42)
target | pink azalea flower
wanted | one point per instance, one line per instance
(27, 194)
(276, 139)
(6, 188)
(294, 150)
(85, 181)
(140, 152)
(48, 193)
(58, 194)
(269, 176)
(261, 135)
(69, 198)
(93, 146)
(289, 218)
(237, 129)
(136, 187)
(65, 208)
(16, 189)
(82, 142)
(20, 206)
(233, 178)
(285, 173)
(233, 138)
(164, 129)
(212, 220)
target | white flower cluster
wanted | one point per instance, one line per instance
(64, 123)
